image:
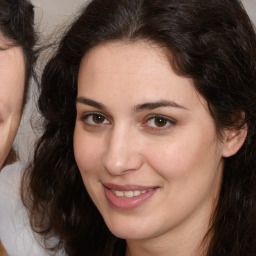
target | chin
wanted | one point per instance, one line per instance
(130, 233)
(129, 236)
(131, 226)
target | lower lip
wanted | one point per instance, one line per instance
(126, 203)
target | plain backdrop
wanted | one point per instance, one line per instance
(52, 16)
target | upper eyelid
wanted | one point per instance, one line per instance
(171, 122)
(162, 116)
(90, 113)
(92, 109)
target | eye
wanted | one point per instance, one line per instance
(95, 119)
(159, 122)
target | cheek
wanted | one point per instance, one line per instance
(88, 158)
(88, 152)
(184, 156)
(8, 132)
(191, 172)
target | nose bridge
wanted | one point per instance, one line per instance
(122, 152)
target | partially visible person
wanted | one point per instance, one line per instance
(17, 39)
(149, 143)
(17, 59)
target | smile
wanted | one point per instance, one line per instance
(128, 197)
(130, 193)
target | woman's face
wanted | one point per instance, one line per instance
(12, 77)
(145, 143)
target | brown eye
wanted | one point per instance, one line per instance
(98, 119)
(160, 122)
(95, 119)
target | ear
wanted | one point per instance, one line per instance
(233, 141)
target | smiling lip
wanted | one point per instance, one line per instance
(127, 196)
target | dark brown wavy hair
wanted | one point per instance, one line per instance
(17, 28)
(213, 42)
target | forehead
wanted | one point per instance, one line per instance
(136, 57)
(141, 70)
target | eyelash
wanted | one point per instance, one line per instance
(167, 121)
(85, 118)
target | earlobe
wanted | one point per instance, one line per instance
(234, 139)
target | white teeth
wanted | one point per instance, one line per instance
(130, 193)
(136, 193)
(119, 193)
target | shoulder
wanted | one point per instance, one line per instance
(15, 232)
(10, 178)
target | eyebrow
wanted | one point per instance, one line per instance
(90, 102)
(137, 108)
(157, 104)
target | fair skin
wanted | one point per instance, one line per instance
(12, 78)
(147, 149)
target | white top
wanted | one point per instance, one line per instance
(15, 232)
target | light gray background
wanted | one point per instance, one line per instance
(52, 16)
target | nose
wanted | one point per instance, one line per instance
(122, 153)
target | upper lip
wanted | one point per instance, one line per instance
(127, 187)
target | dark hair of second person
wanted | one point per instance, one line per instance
(213, 43)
